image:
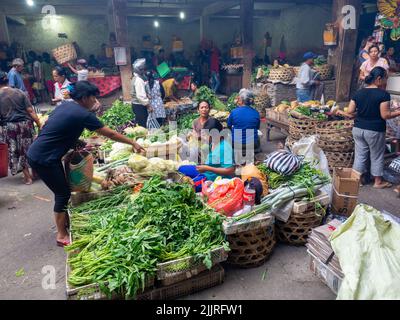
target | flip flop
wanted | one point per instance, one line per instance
(384, 186)
(63, 243)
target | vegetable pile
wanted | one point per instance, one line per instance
(205, 93)
(118, 115)
(119, 248)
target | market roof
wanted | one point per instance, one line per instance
(161, 8)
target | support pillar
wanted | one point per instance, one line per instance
(4, 35)
(246, 22)
(119, 11)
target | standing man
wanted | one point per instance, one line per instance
(305, 80)
(15, 79)
(214, 68)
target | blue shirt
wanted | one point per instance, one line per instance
(15, 80)
(61, 132)
(242, 119)
(220, 157)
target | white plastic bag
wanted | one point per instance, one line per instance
(308, 147)
(152, 123)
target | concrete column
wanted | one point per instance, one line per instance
(246, 22)
(119, 9)
(4, 35)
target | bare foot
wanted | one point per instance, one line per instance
(383, 185)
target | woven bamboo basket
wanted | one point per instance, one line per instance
(335, 130)
(340, 159)
(299, 128)
(64, 53)
(296, 71)
(281, 74)
(296, 230)
(325, 71)
(290, 141)
(336, 146)
(250, 249)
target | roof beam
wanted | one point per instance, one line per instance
(219, 6)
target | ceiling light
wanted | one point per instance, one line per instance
(182, 15)
(30, 3)
(156, 24)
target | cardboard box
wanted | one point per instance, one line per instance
(346, 185)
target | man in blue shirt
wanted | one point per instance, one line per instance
(15, 79)
(244, 121)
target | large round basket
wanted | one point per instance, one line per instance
(296, 71)
(325, 71)
(299, 128)
(261, 102)
(250, 249)
(340, 159)
(281, 74)
(336, 146)
(296, 230)
(335, 130)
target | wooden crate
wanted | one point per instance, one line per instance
(205, 280)
(321, 198)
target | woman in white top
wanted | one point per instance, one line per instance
(61, 84)
(373, 61)
(81, 69)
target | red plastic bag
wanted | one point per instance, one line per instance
(227, 198)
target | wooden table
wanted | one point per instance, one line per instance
(279, 126)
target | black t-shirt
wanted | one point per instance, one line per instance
(13, 105)
(368, 102)
(61, 132)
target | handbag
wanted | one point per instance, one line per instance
(283, 162)
(79, 170)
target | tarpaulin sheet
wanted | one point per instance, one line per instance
(107, 84)
(369, 253)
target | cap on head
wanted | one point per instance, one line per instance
(310, 55)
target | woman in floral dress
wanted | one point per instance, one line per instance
(156, 94)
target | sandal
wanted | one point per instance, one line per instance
(63, 243)
(384, 185)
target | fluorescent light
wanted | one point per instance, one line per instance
(182, 15)
(30, 3)
(156, 24)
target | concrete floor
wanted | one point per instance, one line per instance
(27, 240)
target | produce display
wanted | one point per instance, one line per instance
(175, 104)
(119, 247)
(205, 93)
(232, 102)
(186, 122)
(118, 115)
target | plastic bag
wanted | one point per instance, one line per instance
(309, 149)
(283, 162)
(227, 198)
(251, 171)
(369, 255)
(152, 123)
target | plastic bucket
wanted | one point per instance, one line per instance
(3, 160)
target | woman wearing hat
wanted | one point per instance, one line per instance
(140, 100)
(305, 78)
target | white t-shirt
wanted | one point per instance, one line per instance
(83, 75)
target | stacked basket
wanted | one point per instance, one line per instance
(325, 71)
(262, 101)
(336, 140)
(281, 74)
(64, 53)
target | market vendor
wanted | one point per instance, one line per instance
(204, 109)
(305, 80)
(193, 89)
(219, 161)
(60, 134)
(373, 61)
(244, 121)
(370, 107)
(171, 88)
(61, 85)
(141, 104)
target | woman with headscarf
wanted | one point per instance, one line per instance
(16, 126)
(140, 100)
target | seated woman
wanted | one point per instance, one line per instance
(244, 121)
(204, 109)
(219, 162)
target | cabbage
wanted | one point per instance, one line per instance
(137, 162)
(140, 131)
(120, 155)
(120, 151)
(158, 164)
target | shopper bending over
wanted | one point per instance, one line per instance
(60, 134)
(370, 107)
